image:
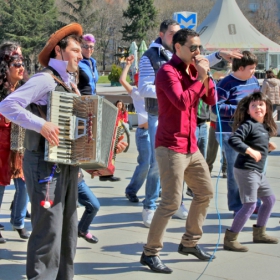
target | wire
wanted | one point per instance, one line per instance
(217, 182)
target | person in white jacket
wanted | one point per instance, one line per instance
(271, 88)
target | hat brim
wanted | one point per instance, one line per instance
(73, 28)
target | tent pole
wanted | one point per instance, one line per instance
(267, 61)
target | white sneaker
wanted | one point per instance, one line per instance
(182, 212)
(148, 215)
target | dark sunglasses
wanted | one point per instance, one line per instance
(88, 47)
(17, 65)
(193, 48)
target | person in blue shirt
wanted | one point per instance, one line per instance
(88, 77)
(88, 74)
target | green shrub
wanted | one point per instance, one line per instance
(115, 74)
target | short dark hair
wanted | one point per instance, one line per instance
(181, 36)
(247, 59)
(63, 43)
(166, 23)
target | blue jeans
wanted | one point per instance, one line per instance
(234, 202)
(201, 134)
(2, 190)
(20, 204)
(152, 183)
(89, 200)
(144, 154)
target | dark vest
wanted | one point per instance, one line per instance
(157, 60)
(35, 141)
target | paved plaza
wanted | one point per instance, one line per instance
(121, 234)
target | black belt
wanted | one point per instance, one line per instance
(201, 121)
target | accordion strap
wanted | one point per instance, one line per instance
(57, 78)
(42, 113)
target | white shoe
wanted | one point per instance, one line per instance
(148, 215)
(182, 212)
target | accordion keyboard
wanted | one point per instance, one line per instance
(87, 127)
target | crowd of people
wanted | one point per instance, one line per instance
(174, 97)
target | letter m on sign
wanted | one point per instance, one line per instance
(186, 19)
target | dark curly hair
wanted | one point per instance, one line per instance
(8, 54)
(241, 114)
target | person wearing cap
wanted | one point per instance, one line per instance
(52, 244)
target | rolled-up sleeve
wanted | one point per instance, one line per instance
(146, 85)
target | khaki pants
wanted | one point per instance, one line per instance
(174, 168)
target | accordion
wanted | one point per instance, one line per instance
(87, 132)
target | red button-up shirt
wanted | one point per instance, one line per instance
(178, 96)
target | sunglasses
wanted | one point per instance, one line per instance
(17, 65)
(193, 48)
(88, 47)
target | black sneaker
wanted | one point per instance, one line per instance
(110, 178)
(27, 215)
(132, 197)
(2, 227)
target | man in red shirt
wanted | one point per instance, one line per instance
(180, 83)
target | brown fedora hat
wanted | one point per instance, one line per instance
(72, 28)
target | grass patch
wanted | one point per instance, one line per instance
(104, 80)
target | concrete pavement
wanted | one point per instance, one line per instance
(121, 234)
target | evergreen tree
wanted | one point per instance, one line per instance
(141, 16)
(28, 22)
(81, 11)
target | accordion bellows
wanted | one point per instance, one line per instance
(87, 131)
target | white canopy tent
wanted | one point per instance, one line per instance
(227, 28)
